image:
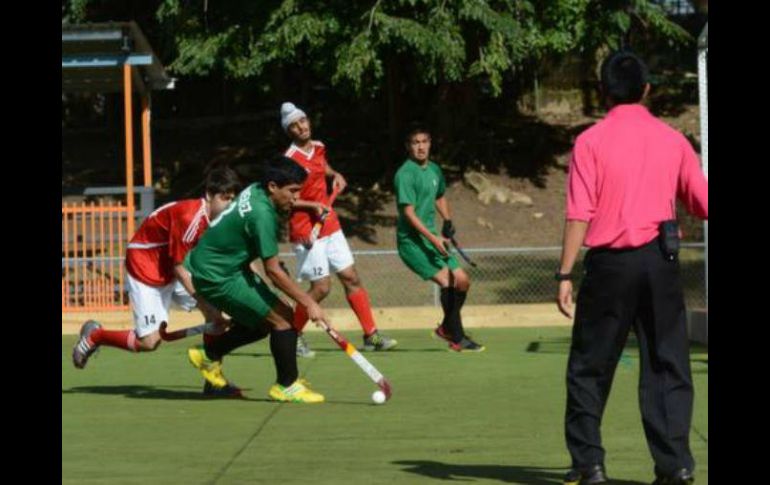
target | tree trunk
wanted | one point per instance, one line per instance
(588, 81)
(395, 113)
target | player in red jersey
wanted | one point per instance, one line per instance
(155, 275)
(330, 252)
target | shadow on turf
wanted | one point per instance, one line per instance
(561, 345)
(392, 351)
(149, 392)
(509, 474)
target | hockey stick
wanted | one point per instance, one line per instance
(185, 332)
(462, 253)
(319, 224)
(359, 359)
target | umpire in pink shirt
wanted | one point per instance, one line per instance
(625, 175)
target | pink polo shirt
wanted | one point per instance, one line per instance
(625, 173)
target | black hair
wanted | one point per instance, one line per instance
(415, 129)
(222, 180)
(624, 75)
(283, 171)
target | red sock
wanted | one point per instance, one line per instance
(122, 339)
(359, 302)
(300, 318)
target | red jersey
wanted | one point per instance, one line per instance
(163, 240)
(313, 190)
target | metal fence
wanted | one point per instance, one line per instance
(502, 276)
(92, 270)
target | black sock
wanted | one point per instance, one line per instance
(283, 345)
(236, 336)
(451, 322)
(460, 296)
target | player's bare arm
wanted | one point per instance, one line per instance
(185, 278)
(442, 206)
(339, 182)
(308, 205)
(447, 229)
(209, 312)
(440, 243)
(283, 282)
(574, 235)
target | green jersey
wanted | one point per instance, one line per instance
(245, 231)
(418, 186)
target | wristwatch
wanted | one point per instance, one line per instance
(559, 276)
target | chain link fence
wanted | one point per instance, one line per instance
(502, 276)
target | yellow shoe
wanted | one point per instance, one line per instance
(210, 369)
(297, 392)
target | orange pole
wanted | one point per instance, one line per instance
(111, 282)
(66, 282)
(146, 144)
(83, 246)
(120, 252)
(102, 254)
(75, 280)
(63, 278)
(128, 109)
(92, 278)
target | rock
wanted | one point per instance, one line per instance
(477, 181)
(487, 191)
(484, 223)
(538, 215)
(519, 198)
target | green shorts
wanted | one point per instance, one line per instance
(245, 297)
(423, 258)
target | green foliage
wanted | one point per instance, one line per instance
(74, 11)
(351, 42)
(355, 60)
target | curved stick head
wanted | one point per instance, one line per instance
(385, 388)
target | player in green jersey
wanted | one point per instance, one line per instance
(221, 270)
(420, 188)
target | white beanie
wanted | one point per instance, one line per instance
(290, 114)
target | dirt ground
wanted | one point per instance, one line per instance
(534, 164)
(516, 225)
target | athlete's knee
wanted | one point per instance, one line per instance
(320, 289)
(442, 278)
(281, 317)
(285, 312)
(350, 280)
(462, 281)
(149, 342)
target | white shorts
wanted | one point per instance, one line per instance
(330, 252)
(150, 304)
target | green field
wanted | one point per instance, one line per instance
(494, 417)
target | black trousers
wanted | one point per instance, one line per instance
(635, 288)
